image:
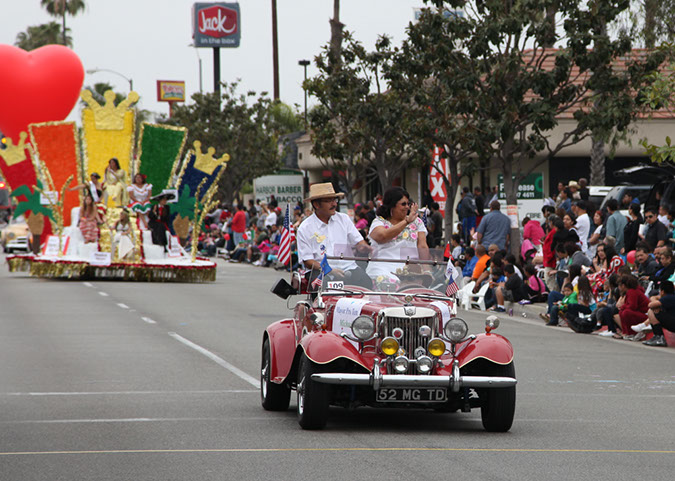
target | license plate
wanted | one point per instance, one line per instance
(412, 395)
(335, 285)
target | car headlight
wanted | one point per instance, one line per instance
(401, 364)
(424, 364)
(456, 330)
(363, 327)
(436, 347)
(389, 346)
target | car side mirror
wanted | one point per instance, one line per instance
(283, 289)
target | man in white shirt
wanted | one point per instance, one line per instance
(583, 225)
(271, 219)
(329, 232)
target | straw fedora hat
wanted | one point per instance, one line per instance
(322, 191)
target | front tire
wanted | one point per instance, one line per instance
(498, 405)
(274, 397)
(312, 397)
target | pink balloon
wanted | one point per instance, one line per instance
(631, 257)
(42, 85)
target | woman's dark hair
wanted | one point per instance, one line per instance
(558, 224)
(629, 281)
(117, 163)
(613, 281)
(390, 199)
(585, 292)
(635, 209)
(571, 248)
(530, 270)
(572, 217)
(601, 214)
(610, 252)
(574, 271)
(667, 287)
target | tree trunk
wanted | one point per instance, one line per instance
(598, 162)
(335, 37)
(64, 27)
(511, 190)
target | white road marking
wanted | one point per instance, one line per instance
(218, 360)
(88, 284)
(104, 294)
(125, 393)
(123, 306)
(148, 320)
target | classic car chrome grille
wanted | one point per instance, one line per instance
(411, 339)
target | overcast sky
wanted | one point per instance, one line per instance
(147, 40)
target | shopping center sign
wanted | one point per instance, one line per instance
(530, 196)
(216, 24)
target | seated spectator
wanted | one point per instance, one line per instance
(511, 259)
(605, 263)
(585, 303)
(470, 259)
(560, 307)
(656, 233)
(556, 296)
(661, 315)
(633, 306)
(511, 290)
(456, 246)
(535, 287)
(606, 306)
(481, 263)
(575, 256)
(645, 264)
(632, 230)
(665, 269)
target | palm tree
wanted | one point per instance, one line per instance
(61, 8)
(40, 35)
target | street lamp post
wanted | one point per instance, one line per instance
(200, 66)
(95, 70)
(305, 64)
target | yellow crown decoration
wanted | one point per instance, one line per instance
(109, 116)
(13, 154)
(207, 163)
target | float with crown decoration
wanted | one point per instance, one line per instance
(50, 168)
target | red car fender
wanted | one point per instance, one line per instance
(323, 347)
(282, 348)
(493, 347)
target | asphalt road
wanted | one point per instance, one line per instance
(138, 381)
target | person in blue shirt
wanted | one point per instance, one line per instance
(471, 260)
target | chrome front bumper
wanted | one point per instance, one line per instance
(454, 383)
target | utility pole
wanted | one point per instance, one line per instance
(275, 50)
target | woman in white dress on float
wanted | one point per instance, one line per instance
(139, 195)
(396, 233)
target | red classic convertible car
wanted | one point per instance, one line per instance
(398, 345)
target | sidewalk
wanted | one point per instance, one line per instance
(529, 314)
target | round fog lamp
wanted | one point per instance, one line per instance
(455, 329)
(397, 332)
(389, 346)
(363, 327)
(436, 347)
(424, 364)
(401, 364)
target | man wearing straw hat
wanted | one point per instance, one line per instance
(329, 232)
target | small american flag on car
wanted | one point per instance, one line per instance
(284, 254)
(452, 274)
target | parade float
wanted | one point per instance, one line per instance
(48, 164)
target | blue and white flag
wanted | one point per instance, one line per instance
(325, 269)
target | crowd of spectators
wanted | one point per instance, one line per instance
(594, 268)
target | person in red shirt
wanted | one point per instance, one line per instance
(633, 305)
(549, 255)
(238, 225)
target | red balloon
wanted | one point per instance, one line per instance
(227, 236)
(631, 257)
(42, 85)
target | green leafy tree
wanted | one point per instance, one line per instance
(513, 93)
(41, 35)
(361, 124)
(242, 125)
(61, 8)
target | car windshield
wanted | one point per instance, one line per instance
(390, 268)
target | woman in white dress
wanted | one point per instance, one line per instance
(139, 196)
(396, 233)
(122, 240)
